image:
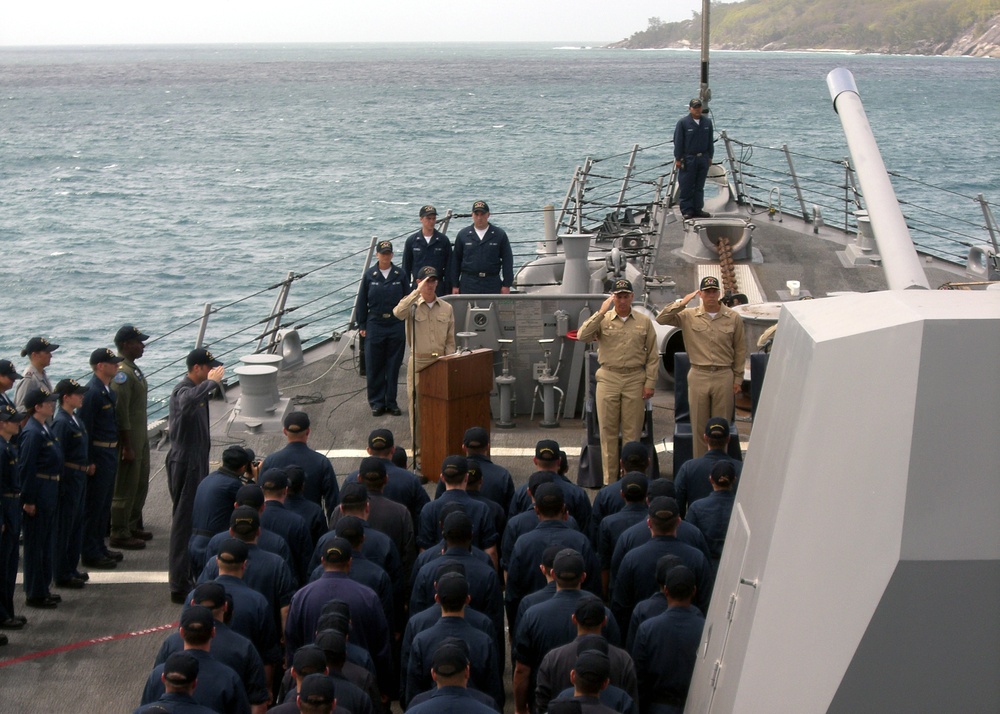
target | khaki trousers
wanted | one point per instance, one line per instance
(619, 406)
(710, 394)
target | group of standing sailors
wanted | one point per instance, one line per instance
(74, 465)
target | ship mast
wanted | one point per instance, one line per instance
(704, 92)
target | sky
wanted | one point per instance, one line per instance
(103, 22)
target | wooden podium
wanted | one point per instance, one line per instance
(453, 394)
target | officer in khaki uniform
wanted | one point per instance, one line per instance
(713, 338)
(132, 478)
(430, 333)
(626, 350)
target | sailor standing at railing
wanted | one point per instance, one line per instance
(430, 332)
(693, 149)
(482, 262)
(428, 246)
(382, 287)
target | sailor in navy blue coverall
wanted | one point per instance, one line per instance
(428, 246)
(693, 150)
(481, 262)
(382, 287)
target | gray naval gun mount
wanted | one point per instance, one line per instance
(862, 562)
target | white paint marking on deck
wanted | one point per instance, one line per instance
(662, 447)
(122, 577)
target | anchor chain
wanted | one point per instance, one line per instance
(726, 267)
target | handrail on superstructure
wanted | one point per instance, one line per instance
(899, 256)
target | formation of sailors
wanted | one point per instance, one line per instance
(73, 466)
(410, 600)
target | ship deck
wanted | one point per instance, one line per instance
(96, 650)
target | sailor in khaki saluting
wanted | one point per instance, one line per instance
(626, 349)
(430, 333)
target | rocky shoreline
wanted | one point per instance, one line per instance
(969, 44)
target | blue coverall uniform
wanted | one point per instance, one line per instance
(693, 145)
(481, 266)
(72, 436)
(40, 465)
(98, 417)
(418, 252)
(385, 334)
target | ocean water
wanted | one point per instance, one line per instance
(138, 183)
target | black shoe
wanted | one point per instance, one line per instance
(702, 214)
(115, 555)
(42, 603)
(54, 597)
(3, 640)
(689, 216)
(177, 598)
(142, 535)
(378, 411)
(395, 411)
(12, 623)
(83, 576)
(22, 618)
(73, 583)
(103, 563)
(128, 543)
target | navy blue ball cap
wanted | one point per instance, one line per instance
(9, 413)
(274, 479)
(622, 286)
(102, 355)
(197, 619)
(380, 440)
(296, 422)
(66, 387)
(384, 246)
(428, 210)
(38, 395)
(590, 612)
(181, 668)
(717, 428)
(428, 271)
(38, 344)
(233, 551)
(635, 486)
(337, 551)
(661, 487)
(568, 564)
(7, 369)
(211, 595)
(245, 521)
(454, 465)
(201, 356)
(250, 495)
(354, 494)
(309, 660)
(550, 496)
(593, 666)
(663, 509)
(129, 332)
(453, 586)
(547, 450)
(317, 690)
(451, 657)
(372, 469)
(709, 282)
(481, 206)
(475, 437)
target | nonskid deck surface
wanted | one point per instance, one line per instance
(97, 648)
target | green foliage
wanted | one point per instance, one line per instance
(872, 25)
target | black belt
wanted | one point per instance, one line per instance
(695, 156)
(47, 477)
(75, 467)
(480, 275)
(10, 495)
(105, 444)
(202, 532)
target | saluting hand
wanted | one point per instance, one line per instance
(216, 373)
(607, 304)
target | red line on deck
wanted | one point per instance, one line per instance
(87, 643)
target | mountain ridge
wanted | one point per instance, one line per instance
(924, 27)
